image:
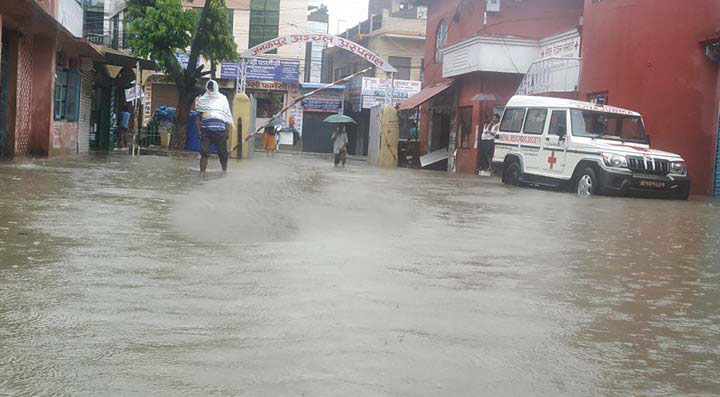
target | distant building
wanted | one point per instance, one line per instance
(318, 22)
(395, 31)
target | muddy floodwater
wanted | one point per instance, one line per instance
(122, 276)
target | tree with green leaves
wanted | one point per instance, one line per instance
(161, 28)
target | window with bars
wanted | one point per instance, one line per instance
(67, 94)
(264, 21)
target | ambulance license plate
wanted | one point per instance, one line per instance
(653, 184)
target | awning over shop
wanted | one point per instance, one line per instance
(425, 95)
(119, 58)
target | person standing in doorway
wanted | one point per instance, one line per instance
(213, 123)
(487, 142)
(123, 124)
(340, 141)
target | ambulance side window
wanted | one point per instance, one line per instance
(535, 123)
(558, 123)
(512, 120)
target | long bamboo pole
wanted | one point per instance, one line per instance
(311, 93)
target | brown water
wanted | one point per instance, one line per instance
(124, 276)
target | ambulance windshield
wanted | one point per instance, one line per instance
(620, 127)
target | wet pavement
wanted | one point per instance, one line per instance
(123, 276)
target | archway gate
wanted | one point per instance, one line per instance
(336, 41)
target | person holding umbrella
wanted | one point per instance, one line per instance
(340, 141)
(340, 137)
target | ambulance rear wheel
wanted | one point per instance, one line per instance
(587, 183)
(511, 174)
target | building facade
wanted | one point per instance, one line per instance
(477, 58)
(43, 64)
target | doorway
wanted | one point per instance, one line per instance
(316, 134)
(440, 138)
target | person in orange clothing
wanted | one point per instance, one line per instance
(270, 141)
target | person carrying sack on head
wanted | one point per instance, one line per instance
(213, 123)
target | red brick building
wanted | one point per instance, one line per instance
(656, 57)
(41, 64)
(483, 57)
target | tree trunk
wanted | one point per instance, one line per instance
(179, 136)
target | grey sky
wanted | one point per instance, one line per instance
(347, 13)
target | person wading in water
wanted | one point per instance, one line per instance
(340, 141)
(213, 123)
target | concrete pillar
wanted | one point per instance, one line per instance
(241, 115)
(43, 88)
(389, 136)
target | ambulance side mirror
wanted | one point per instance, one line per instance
(562, 132)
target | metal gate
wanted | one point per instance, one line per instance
(316, 134)
(4, 80)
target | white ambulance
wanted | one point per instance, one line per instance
(591, 149)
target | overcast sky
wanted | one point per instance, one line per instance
(347, 12)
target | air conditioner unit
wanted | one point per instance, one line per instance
(493, 6)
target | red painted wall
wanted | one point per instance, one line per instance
(533, 19)
(43, 87)
(646, 54)
(503, 86)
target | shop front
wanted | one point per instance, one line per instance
(365, 93)
(273, 84)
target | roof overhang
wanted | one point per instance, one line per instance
(425, 95)
(119, 58)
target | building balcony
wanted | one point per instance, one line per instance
(114, 40)
(551, 75)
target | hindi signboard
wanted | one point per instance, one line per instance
(263, 69)
(320, 38)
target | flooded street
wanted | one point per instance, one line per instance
(123, 276)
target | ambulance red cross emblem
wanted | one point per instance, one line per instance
(552, 160)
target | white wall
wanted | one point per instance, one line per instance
(70, 15)
(316, 53)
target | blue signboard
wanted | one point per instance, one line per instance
(183, 58)
(260, 69)
(319, 105)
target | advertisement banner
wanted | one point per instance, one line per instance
(404, 89)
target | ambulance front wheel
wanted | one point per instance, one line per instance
(587, 183)
(511, 174)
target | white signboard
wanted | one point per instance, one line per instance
(566, 45)
(404, 89)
